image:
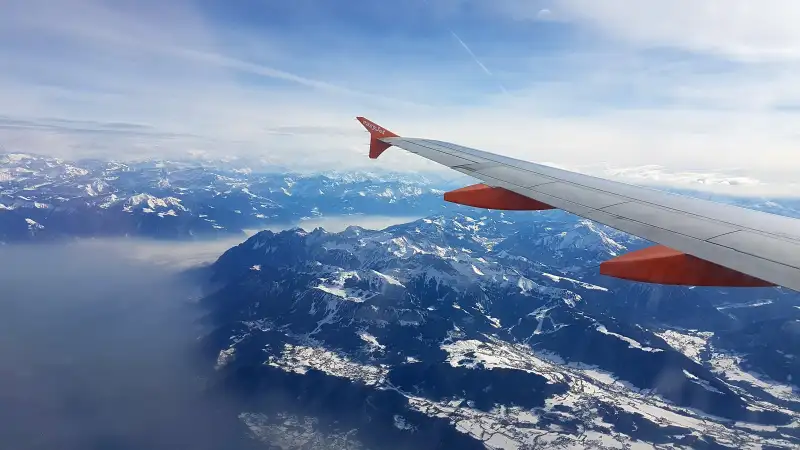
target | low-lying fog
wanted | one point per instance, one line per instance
(98, 346)
(188, 254)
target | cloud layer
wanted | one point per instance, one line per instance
(708, 88)
(100, 351)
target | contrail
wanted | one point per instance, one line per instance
(474, 58)
(477, 61)
(463, 44)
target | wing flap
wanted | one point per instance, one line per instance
(488, 197)
(664, 265)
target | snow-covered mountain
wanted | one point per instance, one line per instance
(45, 198)
(461, 330)
(494, 331)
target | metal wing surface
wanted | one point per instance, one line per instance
(758, 245)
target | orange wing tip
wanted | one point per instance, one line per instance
(487, 197)
(663, 265)
(375, 129)
(377, 132)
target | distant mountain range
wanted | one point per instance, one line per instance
(495, 330)
(44, 198)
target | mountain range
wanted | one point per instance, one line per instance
(464, 329)
(494, 330)
(45, 198)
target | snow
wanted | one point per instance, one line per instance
(690, 342)
(401, 424)
(525, 285)
(704, 383)
(17, 157)
(541, 314)
(334, 285)
(225, 357)
(387, 193)
(171, 212)
(110, 200)
(493, 320)
(576, 282)
(388, 278)
(372, 341)
(75, 171)
(33, 225)
(594, 373)
(153, 202)
(516, 428)
(343, 293)
(753, 304)
(299, 359)
(631, 342)
(491, 355)
(289, 432)
(728, 366)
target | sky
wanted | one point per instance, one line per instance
(705, 94)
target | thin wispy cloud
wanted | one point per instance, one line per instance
(586, 84)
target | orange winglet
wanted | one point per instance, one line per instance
(377, 132)
(663, 265)
(483, 196)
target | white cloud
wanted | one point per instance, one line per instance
(744, 29)
(170, 74)
(544, 13)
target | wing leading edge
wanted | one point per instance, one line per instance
(702, 243)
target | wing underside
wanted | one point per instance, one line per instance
(701, 242)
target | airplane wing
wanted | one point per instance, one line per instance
(702, 243)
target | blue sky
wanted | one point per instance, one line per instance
(679, 91)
